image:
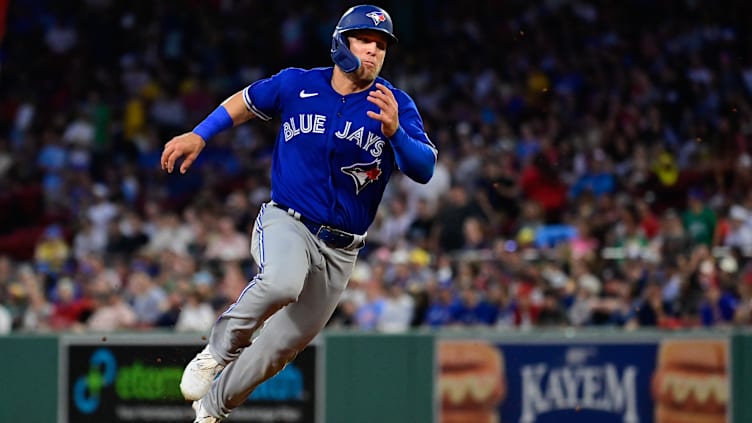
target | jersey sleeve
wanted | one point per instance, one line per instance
(411, 121)
(263, 96)
(414, 152)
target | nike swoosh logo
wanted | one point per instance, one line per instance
(304, 94)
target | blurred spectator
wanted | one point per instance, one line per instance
(583, 245)
(61, 37)
(353, 297)
(38, 309)
(497, 295)
(6, 318)
(718, 307)
(195, 314)
(440, 306)
(70, 307)
(475, 235)
(126, 235)
(649, 223)
(7, 158)
(498, 189)
(167, 111)
(629, 236)
(52, 251)
(598, 178)
(552, 312)
(146, 298)
(238, 207)
(651, 310)
(743, 313)
(397, 310)
(6, 321)
(396, 222)
(472, 309)
(171, 309)
(672, 241)
(699, 220)
(541, 182)
(52, 156)
(233, 282)
(740, 230)
(525, 307)
(615, 306)
(80, 132)
(168, 233)
(452, 216)
(579, 313)
(368, 315)
(431, 192)
(102, 210)
(88, 241)
(110, 312)
(226, 243)
(421, 231)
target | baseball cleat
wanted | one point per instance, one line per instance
(201, 415)
(199, 375)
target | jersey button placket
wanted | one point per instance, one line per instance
(340, 108)
(339, 113)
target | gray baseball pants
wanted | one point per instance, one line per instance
(298, 286)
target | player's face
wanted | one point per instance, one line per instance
(370, 48)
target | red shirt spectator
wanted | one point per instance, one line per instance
(541, 183)
(68, 310)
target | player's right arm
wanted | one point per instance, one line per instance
(230, 113)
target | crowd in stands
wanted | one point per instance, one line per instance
(591, 171)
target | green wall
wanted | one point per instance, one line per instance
(741, 377)
(28, 385)
(379, 378)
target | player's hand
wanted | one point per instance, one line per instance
(188, 145)
(389, 113)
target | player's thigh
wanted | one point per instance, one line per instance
(280, 244)
(339, 267)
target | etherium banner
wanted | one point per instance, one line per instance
(113, 382)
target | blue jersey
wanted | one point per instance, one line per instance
(331, 161)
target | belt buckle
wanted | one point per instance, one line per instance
(332, 236)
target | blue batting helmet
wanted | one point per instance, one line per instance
(363, 16)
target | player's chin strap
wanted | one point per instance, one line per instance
(342, 55)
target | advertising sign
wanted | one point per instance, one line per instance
(584, 382)
(119, 382)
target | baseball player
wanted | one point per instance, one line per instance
(344, 131)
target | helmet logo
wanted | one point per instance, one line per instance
(376, 16)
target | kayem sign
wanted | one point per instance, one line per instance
(665, 381)
(115, 381)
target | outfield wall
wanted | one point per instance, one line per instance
(344, 377)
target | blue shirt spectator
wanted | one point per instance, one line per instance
(717, 308)
(439, 312)
(471, 309)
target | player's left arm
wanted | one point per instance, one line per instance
(413, 151)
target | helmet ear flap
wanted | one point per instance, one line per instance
(342, 55)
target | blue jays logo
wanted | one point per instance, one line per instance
(378, 17)
(363, 173)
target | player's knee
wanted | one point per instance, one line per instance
(284, 292)
(279, 360)
(283, 285)
(288, 294)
